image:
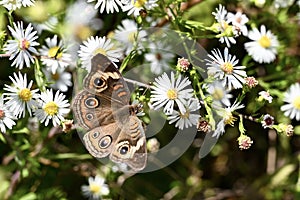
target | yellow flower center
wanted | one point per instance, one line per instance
(54, 52)
(95, 188)
(55, 76)
(264, 41)
(101, 51)
(2, 114)
(138, 3)
(296, 102)
(172, 94)
(51, 108)
(185, 115)
(24, 44)
(224, 25)
(25, 94)
(227, 68)
(229, 119)
(218, 94)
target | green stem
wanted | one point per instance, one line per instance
(10, 18)
(241, 125)
(39, 76)
(207, 108)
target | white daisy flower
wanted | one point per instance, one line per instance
(135, 6)
(23, 43)
(227, 117)
(52, 108)
(166, 92)
(96, 188)
(110, 6)
(159, 57)
(20, 96)
(95, 45)
(6, 117)
(292, 98)
(223, 25)
(263, 48)
(61, 80)
(54, 55)
(186, 119)
(80, 18)
(218, 93)
(129, 35)
(16, 4)
(238, 20)
(225, 69)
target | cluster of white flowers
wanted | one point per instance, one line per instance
(108, 6)
(131, 7)
(230, 25)
(53, 55)
(175, 92)
(20, 97)
(228, 76)
(262, 48)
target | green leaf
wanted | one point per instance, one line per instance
(282, 175)
(21, 131)
(2, 138)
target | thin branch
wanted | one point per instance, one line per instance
(137, 83)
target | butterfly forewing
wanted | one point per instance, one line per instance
(106, 80)
(91, 111)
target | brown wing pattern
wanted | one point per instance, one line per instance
(102, 108)
(91, 111)
(130, 147)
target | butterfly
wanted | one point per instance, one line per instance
(102, 109)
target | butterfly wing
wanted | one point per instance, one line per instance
(91, 111)
(106, 80)
(130, 146)
(99, 141)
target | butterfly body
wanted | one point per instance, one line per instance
(102, 109)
